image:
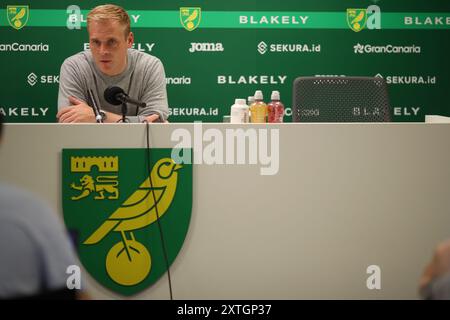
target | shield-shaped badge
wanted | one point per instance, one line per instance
(118, 208)
(356, 19)
(17, 16)
(190, 17)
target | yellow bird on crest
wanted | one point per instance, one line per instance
(19, 15)
(139, 210)
(192, 17)
(359, 17)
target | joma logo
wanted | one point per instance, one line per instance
(206, 47)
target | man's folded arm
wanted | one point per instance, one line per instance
(69, 85)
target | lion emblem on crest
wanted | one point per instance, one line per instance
(99, 186)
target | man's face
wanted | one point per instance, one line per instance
(109, 46)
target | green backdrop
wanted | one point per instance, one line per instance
(267, 54)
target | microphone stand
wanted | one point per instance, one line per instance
(124, 111)
(98, 117)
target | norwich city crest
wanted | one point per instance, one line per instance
(17, 16)
(356, 19)
(118, 205)
(190, 17)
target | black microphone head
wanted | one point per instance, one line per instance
(111, 95)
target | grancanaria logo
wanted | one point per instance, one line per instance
(117, 238)
(190, 17)
(17, 16)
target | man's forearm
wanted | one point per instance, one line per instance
(114, 118)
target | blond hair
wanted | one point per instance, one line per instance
(110, 12)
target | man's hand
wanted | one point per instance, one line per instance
(152, 118)
(439, 265)
(79, 111)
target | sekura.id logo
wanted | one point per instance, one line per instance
(33, 79)
(409, 80)
(358, 19)
(263, 48)
(112, 201)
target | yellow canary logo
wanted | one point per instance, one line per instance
(128, 212)
(190, 18)
(356, 19)
(17, 16)
(129, 262)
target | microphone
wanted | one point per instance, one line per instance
(98, 116)
(115, 96)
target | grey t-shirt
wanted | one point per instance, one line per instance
(438, 288)
(34, 247)
(143, 79)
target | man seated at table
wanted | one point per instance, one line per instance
(111, 62)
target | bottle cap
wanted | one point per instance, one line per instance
(275, 95)
(250, 99)
(258, 95)
(240, 101)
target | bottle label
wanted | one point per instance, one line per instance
(259, 113)
(276, 113)
(239, 116)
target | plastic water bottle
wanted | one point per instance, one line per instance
(239, 111)
(258, 109)
(250, 100)
(275, 108)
